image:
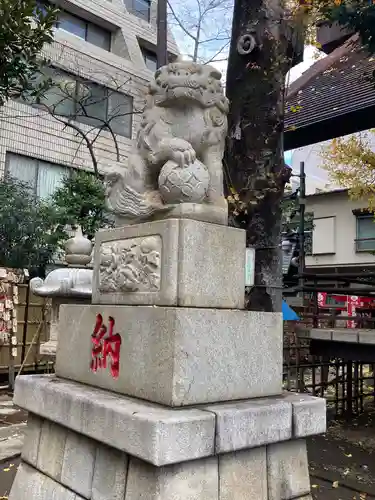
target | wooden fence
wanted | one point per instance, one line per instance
(24, 325)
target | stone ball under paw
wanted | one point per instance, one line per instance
(188, 184)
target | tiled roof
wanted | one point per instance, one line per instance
(328, 191)
(334, 86)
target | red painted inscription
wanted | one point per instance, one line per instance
(105, 344)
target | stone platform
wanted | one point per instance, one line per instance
(177, 356)
(85, 443)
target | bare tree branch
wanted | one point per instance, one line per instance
(206, 23)
(213, 58)
(179, 22)
(84, 137)
(210, 40)
(80, 95)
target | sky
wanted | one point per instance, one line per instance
(215, 33)
(310, 56)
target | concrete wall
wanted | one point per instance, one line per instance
(32, 132)
(334, 233)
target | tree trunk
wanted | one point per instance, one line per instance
(254, 160)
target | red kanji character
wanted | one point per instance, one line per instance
(96, 338)
(111, 348)
(103, 347)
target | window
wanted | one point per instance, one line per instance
(323, 241)
(365, 241)
(88, 102)
(120, 113)
(336, 300)
(72, 24)
(86, 30)
(91, 103)
(140, 8)
(57, 97)
(98, 36)
(42, 177)
(150, 59)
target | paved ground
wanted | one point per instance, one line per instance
(11, 441)
(8, 470)
(12, 425)
(10, 414)
(342, 462)
(323, 490)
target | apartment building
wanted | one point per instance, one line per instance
(343, 236)
(106, 46)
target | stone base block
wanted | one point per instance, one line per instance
(158, 435)
(93, 471)
(174, 262)
(31, 484)
(83, 443)
(203, 212)
(287, 470)
(173, 356)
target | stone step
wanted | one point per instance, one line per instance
(161, 435)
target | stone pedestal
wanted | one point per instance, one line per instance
(177, 356)
(164, 388)
(185, 263)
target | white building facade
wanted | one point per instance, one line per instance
(109, 47)
(343, 233)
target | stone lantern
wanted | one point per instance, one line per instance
(67, 285)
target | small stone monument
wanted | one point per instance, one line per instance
(165, 387)
(67, 285)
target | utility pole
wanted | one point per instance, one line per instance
(161, 47)
(301, 227)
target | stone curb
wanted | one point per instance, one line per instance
(161, 435)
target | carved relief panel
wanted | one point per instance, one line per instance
(131, 265)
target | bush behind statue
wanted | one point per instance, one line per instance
(33, 230)
(29, 232)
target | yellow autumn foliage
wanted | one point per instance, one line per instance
(350, 162)
(303, 16)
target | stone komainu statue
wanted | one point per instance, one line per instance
(176, 167)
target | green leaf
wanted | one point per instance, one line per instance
(81, 201)
(25, 29)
